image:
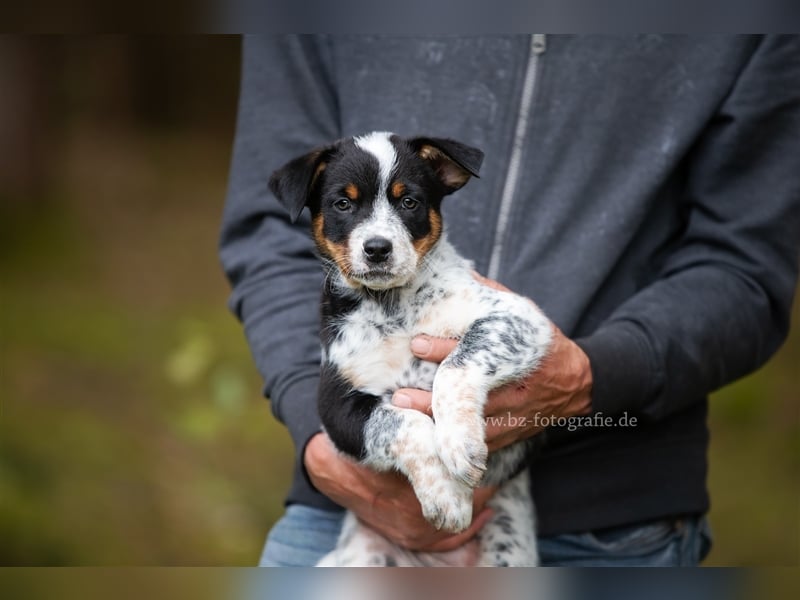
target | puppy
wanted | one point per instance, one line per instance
(390, 275)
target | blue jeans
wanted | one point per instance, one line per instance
(305, 534)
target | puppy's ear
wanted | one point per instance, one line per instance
(293, 182)
(453, 162)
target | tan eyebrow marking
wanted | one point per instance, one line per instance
(398, 189)
(351, 191)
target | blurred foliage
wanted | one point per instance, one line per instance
(755, 463)
(132, 430)
(123, 583)
(132, 427)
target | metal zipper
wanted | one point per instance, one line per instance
(538, 46)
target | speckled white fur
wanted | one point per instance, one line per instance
(503, 337)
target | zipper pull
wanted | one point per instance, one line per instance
(539, 43)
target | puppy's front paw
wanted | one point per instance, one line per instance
(462, 449)
(447, 505)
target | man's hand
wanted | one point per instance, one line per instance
(560, 387)
(385, 501)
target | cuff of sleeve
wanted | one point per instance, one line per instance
(623, 372)
(297, 409)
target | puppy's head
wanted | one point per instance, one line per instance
(375, 201)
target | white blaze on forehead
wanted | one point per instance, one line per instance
(383, 220)
(380, 146)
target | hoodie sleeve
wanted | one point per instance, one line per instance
(286, 106)
(721, 306)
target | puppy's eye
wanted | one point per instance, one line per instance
(343, 204)
(409, 203)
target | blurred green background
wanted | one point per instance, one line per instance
(132, 428)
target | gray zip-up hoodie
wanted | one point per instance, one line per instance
(644, 191)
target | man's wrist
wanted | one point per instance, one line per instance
(571, 373)
(582, 404)
(310, 456)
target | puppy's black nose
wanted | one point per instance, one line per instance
(377, 249)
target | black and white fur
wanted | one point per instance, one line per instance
(391, 274)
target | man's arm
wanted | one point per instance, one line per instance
(286, 106)
(721, 305)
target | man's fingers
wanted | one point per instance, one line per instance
(432, 349)
(459, 539)
(411, 398)
(481, 496)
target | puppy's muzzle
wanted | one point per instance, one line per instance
(377, 250)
